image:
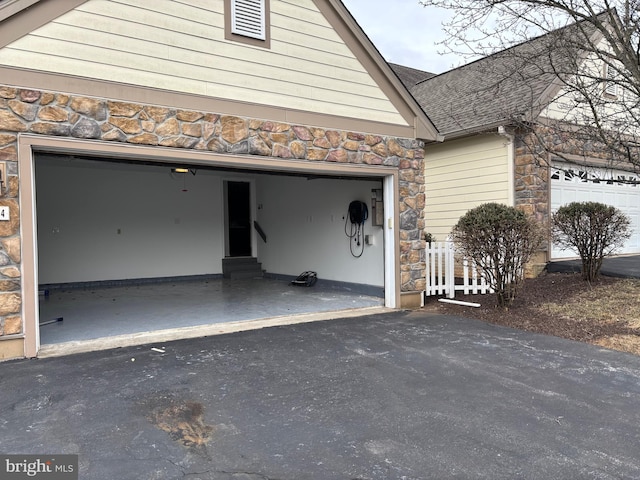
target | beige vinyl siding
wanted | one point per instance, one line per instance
(180, 46)
(462, 174)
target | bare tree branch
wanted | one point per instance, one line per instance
(587, 52)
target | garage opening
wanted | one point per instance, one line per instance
(131, 246)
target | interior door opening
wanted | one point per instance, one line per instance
(238, 211)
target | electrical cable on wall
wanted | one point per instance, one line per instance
(357, 215)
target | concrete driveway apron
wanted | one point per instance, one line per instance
(405, 395)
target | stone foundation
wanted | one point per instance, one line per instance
(536, 265)
(411, 300)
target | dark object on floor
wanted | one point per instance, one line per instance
(59, 319)
(305, 279)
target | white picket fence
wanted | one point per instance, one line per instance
(441, 268)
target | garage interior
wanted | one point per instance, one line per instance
(127, 246)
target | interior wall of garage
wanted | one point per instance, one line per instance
(304, 220)
(100, 220)
(107, 221)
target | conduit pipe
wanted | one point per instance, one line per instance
(459, 302)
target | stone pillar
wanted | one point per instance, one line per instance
(10, 256)
(532, 191)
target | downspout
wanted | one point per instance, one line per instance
(511, 155)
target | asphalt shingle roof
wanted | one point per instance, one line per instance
(410, 76)
(494, 89)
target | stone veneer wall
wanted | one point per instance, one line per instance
(532, 162)
(531, 184)
(531, 180)
(47, 113)
(532, 169)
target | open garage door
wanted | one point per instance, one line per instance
(612, 187)
(110, 223)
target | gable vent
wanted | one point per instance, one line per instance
(248, 18)
(610, 87)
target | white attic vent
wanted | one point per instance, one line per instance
(248, 18)
(610, 87)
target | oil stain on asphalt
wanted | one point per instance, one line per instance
(184, 423)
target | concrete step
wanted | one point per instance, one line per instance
(244, 266)
(238, 260)
(243, 274)
(241, 267)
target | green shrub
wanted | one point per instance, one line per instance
(592, 229)
(500, 240)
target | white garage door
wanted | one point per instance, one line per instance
(611, 187)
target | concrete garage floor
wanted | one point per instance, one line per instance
(92, 313)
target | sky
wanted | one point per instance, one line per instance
(404, 32)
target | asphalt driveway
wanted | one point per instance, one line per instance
(394, 396)
(627, 266)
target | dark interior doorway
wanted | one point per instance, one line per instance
(239, 218)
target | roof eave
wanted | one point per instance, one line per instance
(15, 23)
(14, 6)
(476, 130)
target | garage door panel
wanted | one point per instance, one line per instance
(597, 185)
(634, 242)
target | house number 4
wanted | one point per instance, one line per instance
(4, 213)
